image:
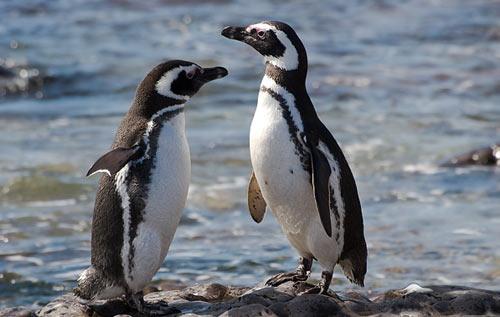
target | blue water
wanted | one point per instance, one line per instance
(402, 85)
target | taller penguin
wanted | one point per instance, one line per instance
(299, 170)
(140, 200)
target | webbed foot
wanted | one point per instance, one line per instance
(323, 286)
(301, 274)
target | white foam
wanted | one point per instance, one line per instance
(415, 288)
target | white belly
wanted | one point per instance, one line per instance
(167, 195)
(285, 185)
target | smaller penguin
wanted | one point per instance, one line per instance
(140, 198)
(299, 170)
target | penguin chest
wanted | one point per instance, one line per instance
(158, 189)
(169, 181)
(280, 162)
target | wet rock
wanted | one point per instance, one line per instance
(249, 311)
(163, 285)
(17, 312)
(66, 305)
(208, 293)
(286, 300)
(315, 305)
(437, 299)
(484, 156)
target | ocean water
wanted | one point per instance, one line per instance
(402, 85)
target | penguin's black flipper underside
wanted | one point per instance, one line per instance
(113, 161)
(256, 202)
(321, 186)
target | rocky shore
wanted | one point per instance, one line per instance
(285, 300)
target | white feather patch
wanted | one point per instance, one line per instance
(85, 274)
(164, 85)
(337, 190)
(121, 187)
(101, 171)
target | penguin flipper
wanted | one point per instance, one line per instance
(113, 161)
(256, 202)
(321, 186)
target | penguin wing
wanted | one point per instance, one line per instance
(320, 173)
(344, 204)
(113, 161)
(256, 202)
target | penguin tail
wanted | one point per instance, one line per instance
(88, 284)
(353, 263)
(93, 285)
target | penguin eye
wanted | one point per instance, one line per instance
(261, 34)
(190, 75)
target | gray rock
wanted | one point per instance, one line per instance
(66, 305)
(249, 311)
(17, 312)
(285, 300)
(440, 299)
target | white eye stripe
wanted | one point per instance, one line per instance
(164, 84)
(290, 59)
(260, 27)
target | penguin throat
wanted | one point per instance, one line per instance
(157, 120)
(169, 109)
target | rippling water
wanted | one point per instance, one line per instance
(401, 84)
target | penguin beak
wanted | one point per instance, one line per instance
(235, 33)
(212, 73)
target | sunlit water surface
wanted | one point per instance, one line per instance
(401, 84)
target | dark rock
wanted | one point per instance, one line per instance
(209, 293)
(437, 299)
(484, 156)
(110, 308)
(315, 306)
(249, 311)
(285, 300)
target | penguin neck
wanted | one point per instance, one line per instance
(292, 64)
(292, 80)
(157, 105)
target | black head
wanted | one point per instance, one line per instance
(174, 82)
(276, 41)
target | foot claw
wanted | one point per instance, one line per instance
(313, 290)
(321, 291)
(285, 277)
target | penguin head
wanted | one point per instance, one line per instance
(276, 41)
(181, 80)
(173, 82)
